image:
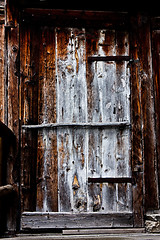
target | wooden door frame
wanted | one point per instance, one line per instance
(144, 172)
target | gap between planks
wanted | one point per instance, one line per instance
(102, 231)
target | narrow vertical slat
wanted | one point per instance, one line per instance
(12, 104)
(47, 185)
(2, 85)
(156, 78)
(147, 97)
(136, 116)
(28, 91)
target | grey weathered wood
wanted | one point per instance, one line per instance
(97, 124)
(84, 114)
(102, 231)
(35, 220)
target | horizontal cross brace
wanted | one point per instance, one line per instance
(108, 58)
(98, 124)
(110, 180)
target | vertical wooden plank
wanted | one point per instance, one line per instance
(28, 172)
(47, 186)
(65, 163)
(124, 197)
(29, 56)
(12, 105)
(156, 78)
(72, 153)
(47, 192)
(136, 116)
(71, 107)
(71, 75)
(13, 77)
(147, 97)
(2, 85)
(47, 78)
(143, 124)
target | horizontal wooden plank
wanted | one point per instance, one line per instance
(110, 180)
(80, 14)
(108, 58)
(97, 124)
(50, 220)
(102, 231)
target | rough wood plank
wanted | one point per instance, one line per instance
(110, 180)
(69, 220)
(136, 116)
(47, 184)
(47, 192)
(2, 85)
(12, 103)
(72, 152)
(156, 78)
(77, 17)
(143, 121)
(71, 75)
(13, 80)
(147, 98)
(28, 91)
(88, 125)
(28, 172)
(103, 231)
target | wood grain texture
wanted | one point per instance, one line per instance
(2, 84)
(69, 220)
(156, 78)
(81, 121)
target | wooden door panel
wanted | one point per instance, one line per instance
(47, 170)
(108, 153)
(110, 197)
(83, 117)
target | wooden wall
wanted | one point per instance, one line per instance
(145, 114)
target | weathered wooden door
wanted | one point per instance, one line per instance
(75, 101)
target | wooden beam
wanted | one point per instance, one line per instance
(50, 220)
(98, 124)
(103, 231)
(110, 180)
